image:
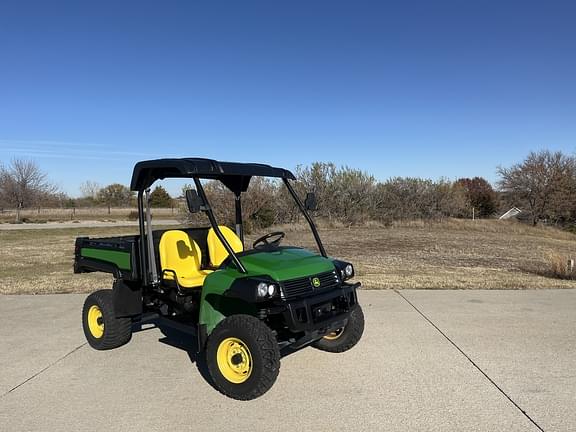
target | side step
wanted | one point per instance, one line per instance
(198, 332)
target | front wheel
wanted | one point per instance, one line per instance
(346, 337)
(243, 358)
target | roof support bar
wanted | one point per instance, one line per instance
(143, 249)
(239, 225)
(307, 216)
(151, 256)
(214, 224)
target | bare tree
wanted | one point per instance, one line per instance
(23, 184)
(544, 182)
(259, 207)
(319, 178)
(451, 199)
(90, 189)
(350, 196)
(355, 192)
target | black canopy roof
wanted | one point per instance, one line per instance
(235, 175)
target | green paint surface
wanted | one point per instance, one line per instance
(281, 265)
(286, 264)
(214, 286)
(121, 259)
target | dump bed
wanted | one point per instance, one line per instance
(116, 255)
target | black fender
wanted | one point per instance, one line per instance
(127, 298)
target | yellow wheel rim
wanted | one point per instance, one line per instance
(95, 321)
(335, 334)
(234, 360)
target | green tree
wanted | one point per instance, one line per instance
(160, 198)
(115, 195)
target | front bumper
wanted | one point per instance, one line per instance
(323, 313)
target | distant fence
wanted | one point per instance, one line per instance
(86, 213)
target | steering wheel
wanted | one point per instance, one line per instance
(266, 242)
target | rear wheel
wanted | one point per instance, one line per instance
(346, 337)
(101, 327)
(242, 357)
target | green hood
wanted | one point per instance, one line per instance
(285, 264)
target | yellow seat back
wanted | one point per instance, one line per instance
(216, 249)
(181, 254)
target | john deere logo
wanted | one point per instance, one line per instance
(315, 282)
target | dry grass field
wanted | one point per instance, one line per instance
(453, 254)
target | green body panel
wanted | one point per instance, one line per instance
(214, 307)
(285, 264)
(121, 259)
(280, 265)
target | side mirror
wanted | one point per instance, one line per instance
(193, 201)
(310, 202)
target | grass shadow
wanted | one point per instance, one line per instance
(553, 269)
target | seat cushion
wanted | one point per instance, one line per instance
(180, 255)
(216, 249)
(192, 281)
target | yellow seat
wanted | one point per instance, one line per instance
(216, 249)
(180, 256)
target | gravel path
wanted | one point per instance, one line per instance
(80, 224)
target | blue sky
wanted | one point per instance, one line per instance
(430, 89)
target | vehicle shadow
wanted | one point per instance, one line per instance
(184, 342)
(189, 344)
(287, 351)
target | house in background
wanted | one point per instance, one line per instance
(512, 213)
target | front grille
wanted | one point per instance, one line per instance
(303, 287)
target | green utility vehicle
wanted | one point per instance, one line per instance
(242, 307)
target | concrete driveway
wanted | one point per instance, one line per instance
(429, 361)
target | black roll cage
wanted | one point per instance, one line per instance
(235, 176)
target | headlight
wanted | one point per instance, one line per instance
(345, 269)
(265, 289)
(349, 270)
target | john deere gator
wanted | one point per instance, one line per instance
(241, 306)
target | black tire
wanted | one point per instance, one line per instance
(262, 348)
(115, 332)
(345, 338)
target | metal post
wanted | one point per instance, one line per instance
(150, 240)
(239, 226)
(143, 250)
